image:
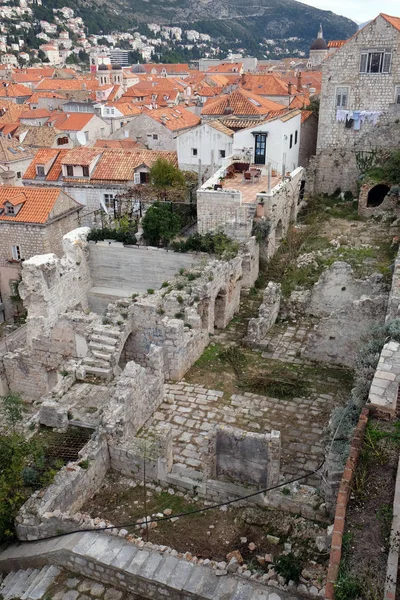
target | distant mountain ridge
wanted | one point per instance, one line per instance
(231, 23)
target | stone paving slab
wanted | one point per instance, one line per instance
(286, 343)
(192, 411)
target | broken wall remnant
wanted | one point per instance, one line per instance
(384, 391)
(243, 456)
(348, 308)
(267, 314)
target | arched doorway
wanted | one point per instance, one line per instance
(376, 195)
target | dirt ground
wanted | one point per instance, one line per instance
(211, 534)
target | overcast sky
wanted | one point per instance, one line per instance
(358, 10)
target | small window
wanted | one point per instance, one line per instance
(16, 252)
(291, 140)
(342, 97)
(296, 135)
(19, 174)
(136, 178)
(70, 170)
(222, 153)
(144, 177)
(40, 170)
(87, 135)
(85, 171)
(109, 200)
(194, 151)
(10, 209)
(397, 95)
(155, 136)
(62, 141)
(375, 61)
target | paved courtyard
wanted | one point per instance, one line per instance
(193, 410)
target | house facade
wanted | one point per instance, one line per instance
(275, 141)
(32, 221)
(360, 103)
(203, 148)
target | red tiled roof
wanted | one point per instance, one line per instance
(226, 68)
(265, 85)
(53, 85)
(72, 121)
(336, 43)
(174, 118)
(43, 156)
(395, 21)
(37, 203)
(14, 90)
(119, 165)
(305, 114)
(125, 144)
(35, 113)
(241, 102)
(81, 156)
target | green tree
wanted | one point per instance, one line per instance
(164, 174)
(16, 457)
(392, 167)
(160, 224)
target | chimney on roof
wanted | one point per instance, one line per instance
(8, 178)
(289, 88)
(299, 82)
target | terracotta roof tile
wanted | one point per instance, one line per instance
(265, 85)
(81, 156)
(73, 121)
(12, 111)
(242, 103)
(124, 144)
(119, 165)
(336, 43)
(226, 68)
(43, 156)
(11, 150)
(305, 114)
(14, 90)
(53, 85)
(37, 203)
(35, 113)
(174, 118)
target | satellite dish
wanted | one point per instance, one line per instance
(81, 137)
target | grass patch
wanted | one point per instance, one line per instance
(280, 383)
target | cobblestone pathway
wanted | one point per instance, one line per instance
(287, 342)
(69, 586)
(193, 410)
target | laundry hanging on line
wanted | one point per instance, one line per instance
(359, 117)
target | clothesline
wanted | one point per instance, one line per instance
(358, 116)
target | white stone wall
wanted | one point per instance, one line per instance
(208, 142)
(143, 128)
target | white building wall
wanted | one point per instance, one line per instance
(208, 142)
(278, 142)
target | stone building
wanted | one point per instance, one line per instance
(93, 176)
(360, 93)
(32, 221)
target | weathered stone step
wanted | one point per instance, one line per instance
(99, 371)
(96, 362)
(103, 339)
(101, 348)
(19, 584)
(102, 355)
(114, 333)
(143, 571)
(46, 578)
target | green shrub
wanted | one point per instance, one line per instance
(179, 315)
(164, 284)
(289, 567)
(211, 243)
(160, 224)
(235, 357)
(179, 299)
(150, 291)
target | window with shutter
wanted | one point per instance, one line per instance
(136, 178)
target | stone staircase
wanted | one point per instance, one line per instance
(143, 571)
(28, 584)
(102, 345)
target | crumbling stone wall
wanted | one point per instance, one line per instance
(348, 308)
(51, 286)
(243, 456)
(45, 514)
(267, 314)
(280, 208)
(389, 203)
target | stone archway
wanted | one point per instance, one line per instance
(376, 195)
